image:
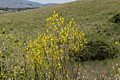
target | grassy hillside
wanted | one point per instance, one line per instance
(92, 16)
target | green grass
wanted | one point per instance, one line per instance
(91, 15)
(2, 11)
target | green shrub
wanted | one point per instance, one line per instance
(98, 50)
(115, 18)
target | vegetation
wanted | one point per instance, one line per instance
(97, 50)
(2, 12)
(116, 18)
(32, 50)
(46, 56)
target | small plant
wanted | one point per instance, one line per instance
(116, 69)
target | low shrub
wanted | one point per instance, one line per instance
(115, 18)
(98, 50)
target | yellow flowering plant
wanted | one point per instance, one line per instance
(117, 71)
(51, 51)
(41, 57)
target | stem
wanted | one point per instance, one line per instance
(36, 73)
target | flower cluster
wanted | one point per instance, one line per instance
(117, 67)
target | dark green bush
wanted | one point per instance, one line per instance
(98, 50)
(116, 18)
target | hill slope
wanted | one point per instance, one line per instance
(91, 15)
(20, 4)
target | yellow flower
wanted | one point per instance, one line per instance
(116, 64)
(54, 12)
(118, 69)
(116, 43)
(117, 74)
(46, 30)
(61, 50)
